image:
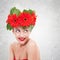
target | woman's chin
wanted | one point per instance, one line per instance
(22, 42)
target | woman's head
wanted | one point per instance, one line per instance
(21, 23)
(21, 34)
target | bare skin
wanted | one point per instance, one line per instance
(26, 49)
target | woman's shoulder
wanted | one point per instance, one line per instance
(13, 45)
(32, 47)
(32, 44)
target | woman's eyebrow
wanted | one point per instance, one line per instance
(17, 28)
(25, 29)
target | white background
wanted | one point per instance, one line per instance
(46, 32)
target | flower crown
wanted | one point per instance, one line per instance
(17, 18)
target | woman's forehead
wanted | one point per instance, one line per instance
(21, 28)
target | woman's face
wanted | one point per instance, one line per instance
(21, 34)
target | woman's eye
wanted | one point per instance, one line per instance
(17, 30)
(26, 31)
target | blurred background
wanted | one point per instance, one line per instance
(46, 32)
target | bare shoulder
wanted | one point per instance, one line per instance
(13, 45)
(32, 44)
(33, 51)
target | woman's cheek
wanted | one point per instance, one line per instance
(27, 34)
(16, 34)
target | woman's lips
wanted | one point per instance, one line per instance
(21, 39)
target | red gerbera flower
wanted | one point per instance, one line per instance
(33, 18)
(13, 20)
(25, 19)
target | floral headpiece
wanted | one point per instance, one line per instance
(26, 18)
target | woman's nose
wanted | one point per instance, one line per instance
(21, 34)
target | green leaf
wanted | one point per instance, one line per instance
(15, 11)
(30, 11)
(25, 10)
(31, 27)
(8, 27)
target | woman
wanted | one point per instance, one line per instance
(21, 24)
